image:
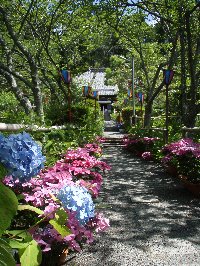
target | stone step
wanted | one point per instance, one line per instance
(111, 146)
(113, 142)
(110, 129)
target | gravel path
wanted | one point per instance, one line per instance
(154, 220)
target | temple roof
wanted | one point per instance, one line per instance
(96, 79)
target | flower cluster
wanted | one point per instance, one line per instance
(140, 146)
(84, 168)
(77, 199)
(94, 149)
(185, 156)
(147, 155)
(21, 155)
(73, 181)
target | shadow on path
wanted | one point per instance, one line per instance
(154, 220)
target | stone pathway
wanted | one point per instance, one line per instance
(154, 220)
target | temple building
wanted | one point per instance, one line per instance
(96, 79)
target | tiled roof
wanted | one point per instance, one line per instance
(97, 82)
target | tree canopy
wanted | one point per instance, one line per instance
(39, 38)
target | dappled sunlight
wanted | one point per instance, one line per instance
(153, 218)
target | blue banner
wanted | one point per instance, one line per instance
(66, 76)
(140, 97)
(168, 76)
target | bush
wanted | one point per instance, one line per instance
(140, 146)
(54, 211)
(184, 155)
(127, 113)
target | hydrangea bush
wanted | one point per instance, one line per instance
(62, 195)
(140, 146)
(77, 199)
(21, 155)
(184, 155)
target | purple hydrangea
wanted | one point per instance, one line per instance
(21, 155)
(78, 199)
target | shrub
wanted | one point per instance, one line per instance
(185, 156)
(56, 210)
(140, 146)
(11, 111)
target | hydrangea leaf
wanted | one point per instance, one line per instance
(6, 257)
(59, 222)
(30, 208)
(3, 171)
(48, 144)
(31, 255)
(20, 234)
(18, 244)
(8, 207)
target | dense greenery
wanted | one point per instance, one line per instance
(37, 40)
(40, 38)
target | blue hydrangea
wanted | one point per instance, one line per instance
(21, 155)
(78, 199)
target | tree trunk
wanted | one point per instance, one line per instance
(148, 114)
(23, 100)
(190, 116)
(37, 94)
(183, 85)
(35, 86)
(192, 108)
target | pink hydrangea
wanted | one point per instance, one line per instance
(77, 167)
(182, 147)
(100, 223)
(147, 155)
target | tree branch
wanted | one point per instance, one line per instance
(24, 101)
(15, 74)
(140, 6)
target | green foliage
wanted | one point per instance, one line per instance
(54, 148)
(6, 257)
(3, 171)
(31, 208)
(10, 110)
(80, 36)
(174, 130)
(31, 255)
(56, 113)
(8, 207)
(189, 166)
(156, 150)
(174, 133)
(59, 222)
(84, 131)
(29, 251)
(127, 113)
(158, 121)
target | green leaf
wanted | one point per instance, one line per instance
(8, 207)
(59, 222)
(30, 208)
(3, 171)
(6, 257)
(20, 197)
(48, 144)
(23, 234)
(31, 255)
(18, 244)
